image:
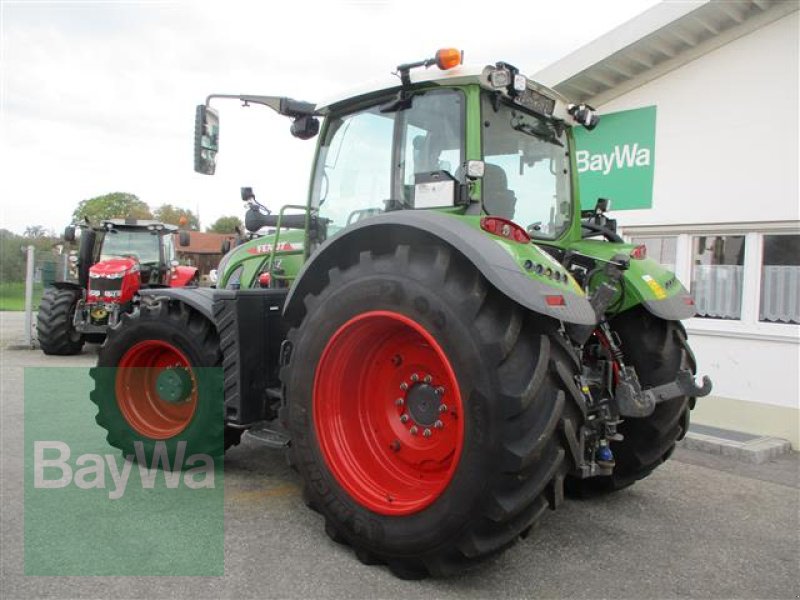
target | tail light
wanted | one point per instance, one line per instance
(639, 252)
(505, 228)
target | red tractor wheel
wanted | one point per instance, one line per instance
(158, 380)
(425, 410)
(388, 413)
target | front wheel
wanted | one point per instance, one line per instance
(54, 322)
(425, 411)
(158, 383)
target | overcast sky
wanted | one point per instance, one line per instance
(99, 97)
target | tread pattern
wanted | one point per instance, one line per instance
(530, 372)
(158, 311)
(54, 328)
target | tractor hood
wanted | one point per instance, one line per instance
(113, 268)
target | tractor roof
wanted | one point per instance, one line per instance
(137, 224)
(460, 75)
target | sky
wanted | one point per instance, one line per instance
(98, 97)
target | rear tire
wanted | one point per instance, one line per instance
(657, 349)
(512, 395)
(54, 327)
(134, 353)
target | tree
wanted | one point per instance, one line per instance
(117, 205)
(167, 213)
(35, 231)
(225, 225)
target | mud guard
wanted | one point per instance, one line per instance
(385, 231)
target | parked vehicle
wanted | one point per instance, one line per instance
(117, 259)
(439, 337)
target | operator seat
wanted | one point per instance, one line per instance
(498, 200)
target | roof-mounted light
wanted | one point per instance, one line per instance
(447, 58)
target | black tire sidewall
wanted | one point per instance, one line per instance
(422, 531)
(204, 433)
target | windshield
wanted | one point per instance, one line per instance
(141, 245)
(527, 169)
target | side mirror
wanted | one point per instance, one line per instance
(603, 205)
(184, 239)
(226, 246)
(247, 194)
(69, 234)
(206, 140)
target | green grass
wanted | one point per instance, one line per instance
(12, 295)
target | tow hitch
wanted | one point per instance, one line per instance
(633, 401)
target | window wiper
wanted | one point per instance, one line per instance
(530, 130)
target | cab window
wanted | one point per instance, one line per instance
(353, 178)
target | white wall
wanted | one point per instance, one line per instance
(726, 153)
(726, 132)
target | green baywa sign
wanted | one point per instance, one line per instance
(616, 159)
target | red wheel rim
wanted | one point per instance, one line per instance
(387, 446)
(141, 405)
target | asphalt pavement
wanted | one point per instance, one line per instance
(700, 527)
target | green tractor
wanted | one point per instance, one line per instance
(440, 339)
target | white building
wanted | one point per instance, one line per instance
(723, 78)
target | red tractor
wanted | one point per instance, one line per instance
(116, 259)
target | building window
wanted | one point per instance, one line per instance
(663, 250)
(780, 279)
(717, 273)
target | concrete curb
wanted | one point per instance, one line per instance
(747, 448)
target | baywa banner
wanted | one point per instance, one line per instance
(101, 499)
(617, 158)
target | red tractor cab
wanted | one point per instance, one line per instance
(116, 259)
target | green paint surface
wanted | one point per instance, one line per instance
(616, 160)
(73, 531)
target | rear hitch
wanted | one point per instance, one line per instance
(633, 401)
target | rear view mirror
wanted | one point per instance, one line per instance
(184, 239)
(206, 140)
(69, 234)
(247, 194)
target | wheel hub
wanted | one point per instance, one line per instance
(174, 385)
(423, 404)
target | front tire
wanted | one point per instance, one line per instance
(130, 380)
(54, 322)
(405, 334)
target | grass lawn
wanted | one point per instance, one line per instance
(12, 295)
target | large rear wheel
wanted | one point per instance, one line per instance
(425, 411)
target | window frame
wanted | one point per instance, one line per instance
(748, 326)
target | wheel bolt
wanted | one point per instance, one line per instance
(428, 379)
(399, 402)
(413, 430)
(404, 418)
(395, 446)
(426, 433)
(404, 386)
(438, 424)
(442, 408)
(415, 378)
(439, 391)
